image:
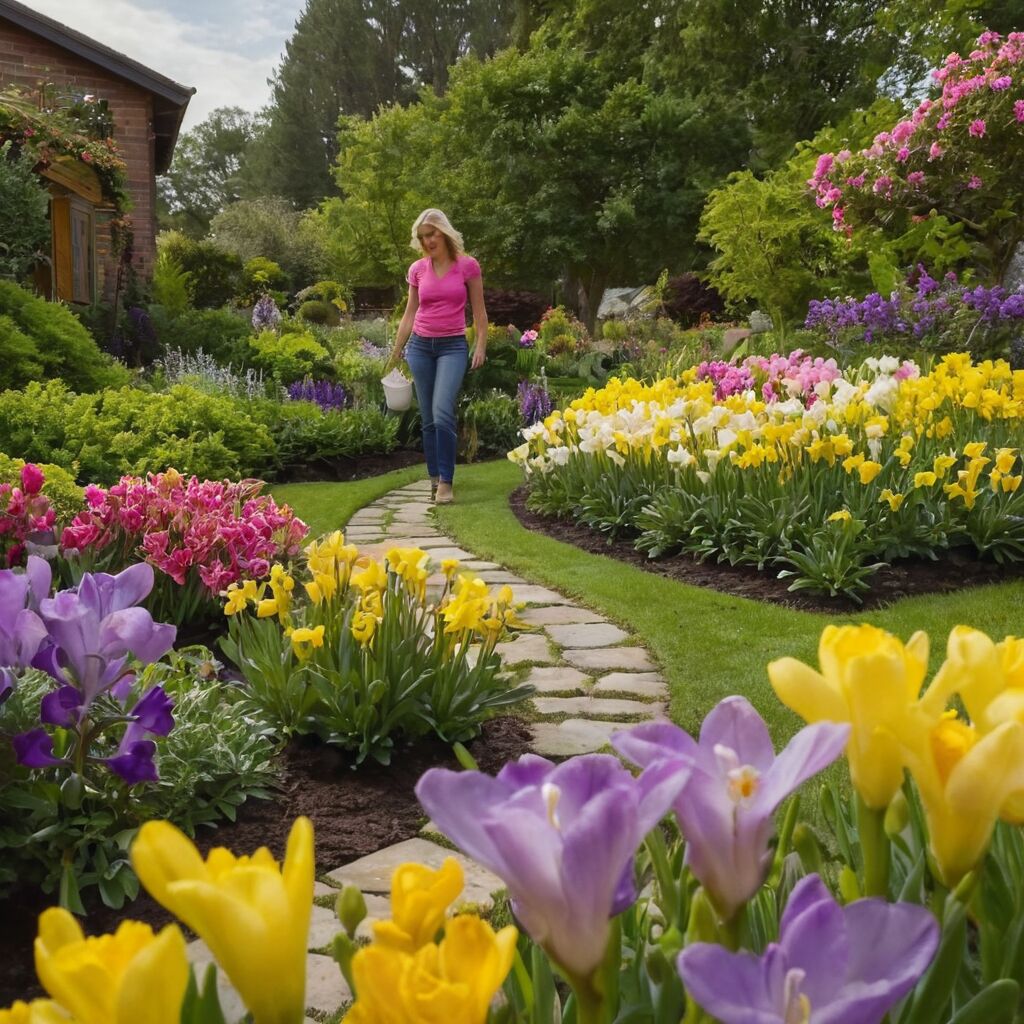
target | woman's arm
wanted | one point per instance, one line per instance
(405, 326)
(476, 302)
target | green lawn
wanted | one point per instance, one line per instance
(709, 644)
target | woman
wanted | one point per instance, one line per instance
(434, 324)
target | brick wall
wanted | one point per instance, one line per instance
(25, 59)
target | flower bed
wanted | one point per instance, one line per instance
(663, 894)
(818, 477)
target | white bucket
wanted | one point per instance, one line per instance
(397, 391)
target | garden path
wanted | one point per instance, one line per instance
(590, 681)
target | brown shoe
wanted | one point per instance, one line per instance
(433, 487)
(444, 494)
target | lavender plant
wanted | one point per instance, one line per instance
(535, 402)
(265, 314)
(325, 393)
(202, 371)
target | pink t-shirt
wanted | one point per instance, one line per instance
(442, 308)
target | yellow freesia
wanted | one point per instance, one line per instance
(130, 977)
(363, 626)
(251, 912)
(870, 679)
(450, 983)
(420, 897)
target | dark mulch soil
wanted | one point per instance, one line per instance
(955, 569)
(353, 812)
(345, 469)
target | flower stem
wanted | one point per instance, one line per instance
(874, 846)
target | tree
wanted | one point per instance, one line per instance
(24, 204)
(206, 173)
(350, 57)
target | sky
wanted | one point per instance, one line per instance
(227, 49)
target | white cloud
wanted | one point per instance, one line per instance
(204, 51)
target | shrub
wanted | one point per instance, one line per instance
(333, 292)
(173, 285)
(206, 374)
(259, 276)
(522, 308)
(100, 437)
(24, 206)
(288, 356)
(44, 339)
(217, 332)
(688, 300)
(318, 312)
(215, 271)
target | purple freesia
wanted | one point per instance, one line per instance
(34, 749)
(562, 838)
(836, 965)
(736, 783)
(21, 629)
(95, 628)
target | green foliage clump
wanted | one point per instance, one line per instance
(44, 339)
(24, 203)
(218, 332)
(66, 497)
(288, 356)
(259, 276)
(101, 436)
(216, 272)
(173, 285)
(318, 312)
(490, 425)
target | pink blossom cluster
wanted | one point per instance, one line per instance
(219, 530)
(728, 378)
(793, 376)
(25, 513)
(989, 74)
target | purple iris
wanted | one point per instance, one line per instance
(735, 784)
(96, 627)
(21, 630)
(562, 838)
(837, 965)
(34, 749)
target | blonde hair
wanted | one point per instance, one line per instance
(437, 219)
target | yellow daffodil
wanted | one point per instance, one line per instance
(239, 596)
(842, 516)
(942, 463)
(453, 982)
(1005, 458)
(870, 679)
(267, 608)
(925, 479)
(130, 977)
(363, 626)
(868, 470)
(420, 897)
(467, 607)
(449, 566)
(1010, 484)
(894, 500)
(252, 913)
(372, 603)
(304, 640)
(903, 457)
(975, 450)
(372, 577)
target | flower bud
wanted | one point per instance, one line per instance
(897, 815)
(808, 849)
(849, 887)
(350, 907)
(71, 791)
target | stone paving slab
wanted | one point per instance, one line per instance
(596, 707)
(373, 873)
(635, 658)
(403, 530)
(527, 647)
(438, 553)
(558, 615)
(533, 594)
(597, 634)
(642, 684)
(571, 737)
(557, 679)
(479, 564)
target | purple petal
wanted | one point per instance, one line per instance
(35, 749)
(153, 712)
(735, 988)
(122, 689)
(807, 893)
(657, 788)
(808, 752)
(48, 659)
(136, 764)
(528, 770)
(625, 891)
(645, 744)
(107, 594)
(582, 779)
(40, 576)
(814, 939)
(7, 681)
(61, 707)
(133, 629)
(734, 723)
(13, 592)
(29, 636)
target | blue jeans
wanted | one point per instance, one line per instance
(438, 366)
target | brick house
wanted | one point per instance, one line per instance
(147, 111)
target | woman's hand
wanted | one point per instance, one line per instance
(479, 357)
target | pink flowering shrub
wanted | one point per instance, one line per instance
(774, 378)
(957, 156)
(25, 515)
(200, 536)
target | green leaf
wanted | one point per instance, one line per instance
(995, 1004)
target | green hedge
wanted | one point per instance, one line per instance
(40, 339)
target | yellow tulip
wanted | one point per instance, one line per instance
(869, 679)
(419, 899)
(130, 977)
(453, 982)
(966, 780)
(251, 912)
(39, 1011)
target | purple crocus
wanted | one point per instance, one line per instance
(837, 965)
(96, 627)
(562, 838)
(21, 630)
(736, 783)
